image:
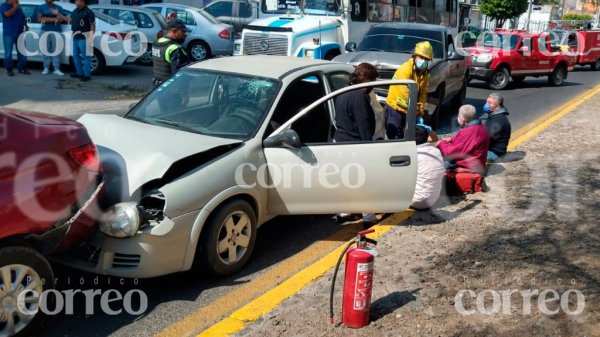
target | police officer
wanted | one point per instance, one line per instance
(167, 53)
(417, 69)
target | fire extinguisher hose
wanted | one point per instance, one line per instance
(337, 266)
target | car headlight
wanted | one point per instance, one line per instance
(483, 58)
(309, 53)
(121, 220)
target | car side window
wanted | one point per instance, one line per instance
(221, 8)
(245, 10)
(338, 80)
(144, 20)
(315, 126)
(183, 15)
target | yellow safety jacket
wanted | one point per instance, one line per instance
(397, 97)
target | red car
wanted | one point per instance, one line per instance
(50, 179)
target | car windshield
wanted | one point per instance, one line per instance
(400, 41)
(209, 102)
(313, 7)
(503, 41)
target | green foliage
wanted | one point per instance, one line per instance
(501, 10)
(576, 21)
(575, 16)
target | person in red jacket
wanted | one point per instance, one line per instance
(468, 148)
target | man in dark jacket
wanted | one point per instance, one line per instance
(354, 116)
(167, 53)
(498, 126)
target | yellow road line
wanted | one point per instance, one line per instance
(539, 124)
(263, 304)
(271, 278)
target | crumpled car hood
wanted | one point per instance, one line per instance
(143, 152)
(379, 59)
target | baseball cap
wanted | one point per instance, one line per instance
(177, 24)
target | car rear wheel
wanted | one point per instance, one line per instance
(557, 78)
(146, 57)
(596, 65)
(21, 269)
(500, 79)
(229, 238)
(199, 51)
(97, 62)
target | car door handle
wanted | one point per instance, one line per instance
(399, 161)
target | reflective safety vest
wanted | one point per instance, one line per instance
(161, 57)
(397, 97)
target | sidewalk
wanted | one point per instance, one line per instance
(536, 230)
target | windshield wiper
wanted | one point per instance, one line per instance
(178, 125)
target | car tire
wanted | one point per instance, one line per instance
(146, 58)
(97, 62)
(459, 99)
(557, 78)
(596, 65)
(219, 244)
(199, 51)
(33, 267)
(518, 80)
(500, 79)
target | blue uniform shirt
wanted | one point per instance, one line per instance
(45, 11)
(13, 25)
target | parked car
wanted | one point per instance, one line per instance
(517, 54)
(237, 13)
(583, 44)
(50, 181)
(120, 48)
(388, 45)
(147, 21)
(207, 37)
(191, 184)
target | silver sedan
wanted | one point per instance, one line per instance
(220, 148)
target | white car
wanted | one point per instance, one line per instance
(115, 43)
(223, 146)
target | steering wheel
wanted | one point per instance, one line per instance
(243, 114)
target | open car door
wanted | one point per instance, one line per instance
(327, 178)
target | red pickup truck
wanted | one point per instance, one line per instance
(501, 55)
(583, 44)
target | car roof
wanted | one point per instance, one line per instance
(169, 5)
(127, 8)
(262, 65)
(413, 26)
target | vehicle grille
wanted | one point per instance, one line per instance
(126, 260)
(258, 44)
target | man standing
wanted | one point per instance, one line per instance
(13, 24)
(167, 53)
(498, 126)
(51, 16)
(468, 148)
(417, 69)
(83, 25)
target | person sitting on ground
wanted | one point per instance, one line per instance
(430, 171)
(498, 127)
(468, 148)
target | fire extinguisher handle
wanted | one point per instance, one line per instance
(371, 241)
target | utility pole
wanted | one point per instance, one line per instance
(529, 13)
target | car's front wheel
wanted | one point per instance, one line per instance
(146, 57)
(228, 239)
(500, 79)
(22, 269)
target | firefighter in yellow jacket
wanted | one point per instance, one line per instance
(417, 69)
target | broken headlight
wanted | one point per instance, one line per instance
(120, 220)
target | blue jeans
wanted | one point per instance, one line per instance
(492, 157)
(9, 43)
(81, 58)
(51, 46)
(394, 123)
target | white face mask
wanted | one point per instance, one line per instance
(421, 63)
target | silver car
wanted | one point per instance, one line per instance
(220, 148)
(208, 37)
(147, 21)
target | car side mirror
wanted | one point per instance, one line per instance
(350, 46)
(288, 138)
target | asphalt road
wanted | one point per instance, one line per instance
(173, 297)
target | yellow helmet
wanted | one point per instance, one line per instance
(424, 49)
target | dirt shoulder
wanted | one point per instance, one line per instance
(528, 250)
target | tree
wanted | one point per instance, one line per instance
(501, 10)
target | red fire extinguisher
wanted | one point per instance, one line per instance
(358, 281)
